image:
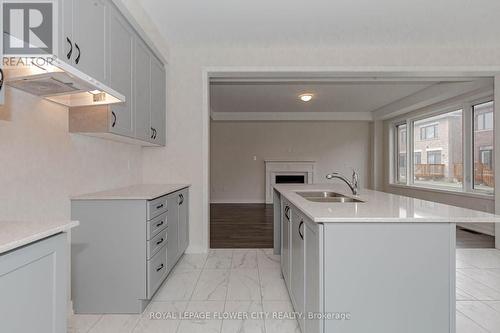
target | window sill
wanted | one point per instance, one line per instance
(478, 195)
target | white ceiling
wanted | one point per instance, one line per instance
(328, 97)
(338, 22)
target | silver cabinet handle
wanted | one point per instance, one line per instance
(181, 198)
(159, 242)
(159, 224)
(159, 268)
(300, 233)
(287, 211)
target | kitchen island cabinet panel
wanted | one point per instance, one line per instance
(33, 287)
(390, 278)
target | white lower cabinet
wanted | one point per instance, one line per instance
(285, 240)
(124, 250)
(33, 287)
(313, 278)
(183, 203)
(173, 250)
(297, 276)
(301, 264)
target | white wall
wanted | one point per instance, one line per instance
(236, 177)
(42, 165)
(182, 160)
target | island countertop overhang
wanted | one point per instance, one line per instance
(378, 207)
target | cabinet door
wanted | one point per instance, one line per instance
(286, 220)
(297, 276)
(90, 37)
(65, 34)
(172, 230)
(183, 198)
(312, 276)
(33, 287)
(121, 45)
(142, 91)
(158, 100)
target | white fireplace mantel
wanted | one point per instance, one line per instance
(281, 167)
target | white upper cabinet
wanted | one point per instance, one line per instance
(101, 41)
(121, 78)
(84, 23)
(142, 91)
(158, 101)
(65, 45)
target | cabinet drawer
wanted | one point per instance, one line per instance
(156, 207)
(156, 225)
(157, 271)
(156, 243)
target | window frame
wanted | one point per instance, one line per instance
(468, 127)
(473, 129)
(396, 153)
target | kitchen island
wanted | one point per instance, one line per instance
(375, 262)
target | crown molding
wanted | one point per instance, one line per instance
(292, 116)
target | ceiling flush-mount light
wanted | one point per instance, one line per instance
(306, 97)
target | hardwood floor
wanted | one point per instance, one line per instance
(241, 226)
(467, 239)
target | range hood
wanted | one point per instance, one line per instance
(62, 84)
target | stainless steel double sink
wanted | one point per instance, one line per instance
(327, 196)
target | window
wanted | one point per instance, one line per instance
(417, 158)
(486, 157)
(440, 163)
(434, 157)
(484, 121)
(401, 149)
(483, 147)
(429, 132)
(436, 144)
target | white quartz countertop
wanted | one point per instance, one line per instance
(134, 192)
(378, 207)
(14, 234)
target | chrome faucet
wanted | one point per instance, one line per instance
(353, 185)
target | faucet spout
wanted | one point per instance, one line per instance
(353, 184)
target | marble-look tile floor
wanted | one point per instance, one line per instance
(225, 280)
(478, 290)
(249, 281)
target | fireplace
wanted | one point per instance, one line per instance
(287, 172)
(290, 179)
